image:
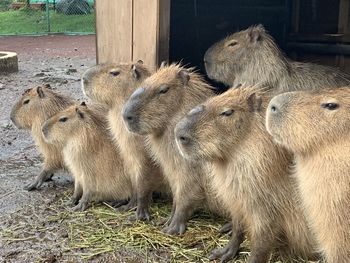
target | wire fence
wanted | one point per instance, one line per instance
(35, 17)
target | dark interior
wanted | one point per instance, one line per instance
(307, 30)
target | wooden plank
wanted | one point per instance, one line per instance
(114, 30)
(343, 20)
(164, 31)
(151, 25)
(145, 24)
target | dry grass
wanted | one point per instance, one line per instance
(101, 231)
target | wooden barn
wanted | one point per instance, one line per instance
(182, 30)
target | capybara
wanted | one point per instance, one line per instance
(112, 84)
(89, 152)
(315, 126)
(34, 107)
(250, 174)
(153, 110)
(252, 57)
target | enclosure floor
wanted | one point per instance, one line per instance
(41, 59)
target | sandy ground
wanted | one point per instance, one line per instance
(48, 59)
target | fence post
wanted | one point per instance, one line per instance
(48, 16)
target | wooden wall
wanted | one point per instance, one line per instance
(130, 30)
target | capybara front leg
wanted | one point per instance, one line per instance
(229, 251)
(260, 248)
(182, 212)
(44, 176)
(78, 192)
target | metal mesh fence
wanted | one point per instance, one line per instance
(20, 17)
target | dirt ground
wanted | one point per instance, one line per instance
(37, 226)
(60, 61)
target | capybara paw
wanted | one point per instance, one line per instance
(118, 203)
(224, 254)
(33, 186)
(128, 207)
(72, 202)
(226, 228)
(143, 214)
(175, 229)
(79, 207)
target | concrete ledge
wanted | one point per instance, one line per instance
(8, 62)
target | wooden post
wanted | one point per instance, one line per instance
(130, 30)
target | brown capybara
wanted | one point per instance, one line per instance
(252, 57)
(153, 110)
(249, 174)
(315, 126)
(34, 107)
(89, 152)
(112, 84)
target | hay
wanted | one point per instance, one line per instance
(101, 231)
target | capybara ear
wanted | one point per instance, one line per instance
(40, 92)
(80, 114)
(254, 102)
(135, 72)
(184, 76)
(140, 62)
(255, 33)
(47, 85)
(83, 104)
(163, 64)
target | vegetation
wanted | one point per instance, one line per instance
(27, 21)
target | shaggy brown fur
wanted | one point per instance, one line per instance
(34, 107)
(89, 153)
(112, 84)
(250, 174)
(252, 57)
(316, 127)
(154, 110)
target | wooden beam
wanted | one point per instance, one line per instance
(129, 30)
(343, 20)
(114, 30)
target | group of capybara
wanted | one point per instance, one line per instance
(271, 154)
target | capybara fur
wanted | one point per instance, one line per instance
(34, 107)
(153, 110)
(250, 174)
(315, 126)
(252, 57)
(89, 152)
(112, 84)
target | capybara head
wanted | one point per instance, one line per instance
(73, 121)
(161, 96)
(215, 128)
(304, 121)
(246, 52)
(36, 105)
(106, 83)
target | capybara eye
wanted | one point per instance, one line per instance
(114, 73)
(330, 106)
(63, 119)
(232, 44)
(227, 113)
(26, 101)
(163, 89)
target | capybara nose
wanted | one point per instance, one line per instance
(129, 115)
(184, 139)
(273, 108)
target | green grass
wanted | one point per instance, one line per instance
(33, 22)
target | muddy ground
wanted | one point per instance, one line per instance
(27, 234)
